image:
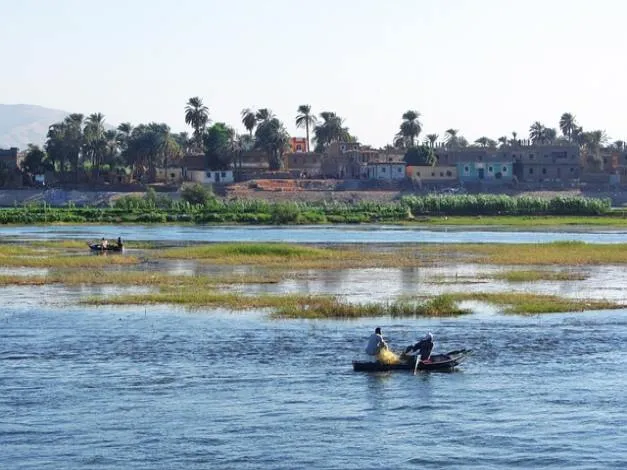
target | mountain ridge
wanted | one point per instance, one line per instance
(23, 124)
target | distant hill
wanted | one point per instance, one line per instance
(23, 124)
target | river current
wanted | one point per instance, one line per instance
(159, 387)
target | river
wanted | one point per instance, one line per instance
(310, 234)
(160, 387)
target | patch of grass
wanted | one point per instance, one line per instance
(136, 278)
(291, 256)
(557, 253)
(287, 306)
(528, 304)
(539, 275)
(43, 260)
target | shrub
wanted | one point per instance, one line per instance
(197, 194)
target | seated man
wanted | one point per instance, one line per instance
(104, 243)
(375, 343)
(424, 347)
(120, 244)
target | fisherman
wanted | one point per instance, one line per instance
(375, 343)
(120, 244)
(424, 348)
(104, 243)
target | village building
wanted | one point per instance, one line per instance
(194, 169)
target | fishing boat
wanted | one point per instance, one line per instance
(99, 247)
(437, 362)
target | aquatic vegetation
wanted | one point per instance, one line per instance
(137, 278)
(557, 253)
(292, 256)
(539, 275)
(163, 209)
(528, 303)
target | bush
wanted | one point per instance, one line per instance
(197, 194)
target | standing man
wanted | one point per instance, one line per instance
(375, 343)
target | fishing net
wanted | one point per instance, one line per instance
(386, 356)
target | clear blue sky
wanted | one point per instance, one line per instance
(486, 67)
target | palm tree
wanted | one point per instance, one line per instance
(537, 132)
(568, 125)
(74, 140)
(330, 129)
(503, 141)
(432, 139)
(305, 119)
(264, 115)
(411, 126)
(249, 119)
(514, 139)
(450, 137)
(94, 142)
(619, 145)
(483, 141)
(550, 134)
(197, 116)
(272, 138)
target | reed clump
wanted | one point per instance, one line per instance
(524, 303)
(539, 275)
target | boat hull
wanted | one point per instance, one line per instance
(98, 247)
(438, 362)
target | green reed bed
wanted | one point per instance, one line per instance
(539, 275)
(67, 261)
(163, 209)
(292, 256)
(523, 303)
(557, 253)
(526, 221)
(289, 305)
(138, 278)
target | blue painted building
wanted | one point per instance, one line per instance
(497, 171)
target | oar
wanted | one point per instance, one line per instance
(416, 364)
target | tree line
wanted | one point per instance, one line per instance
(81, 144)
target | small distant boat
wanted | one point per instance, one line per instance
(99, 247)
(437, 362)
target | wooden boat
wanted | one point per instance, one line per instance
(99, 247)
(437, 362)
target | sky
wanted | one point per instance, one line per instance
(485, 67)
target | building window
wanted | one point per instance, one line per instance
(531, 156)
(504, 169)
(448, 173)
(441, 174)
(531, 171)
(546, 156)
(490, 170)
(544, 171)
(208, 174)
(466, 170)
(223, 174)
(418, 173)
(383, 170)
(433, 173)
(572, 170)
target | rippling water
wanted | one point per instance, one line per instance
(164, 388)
(159, 387)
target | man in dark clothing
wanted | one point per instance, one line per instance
(424, 346)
